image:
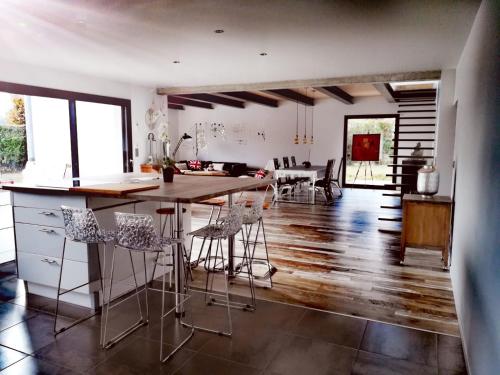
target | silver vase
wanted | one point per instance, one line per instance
(428, 181)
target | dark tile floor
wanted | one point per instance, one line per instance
(276, 339)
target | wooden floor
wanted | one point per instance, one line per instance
(334, 258)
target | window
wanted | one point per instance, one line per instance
(54, 134)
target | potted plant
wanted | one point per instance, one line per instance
(168, 169)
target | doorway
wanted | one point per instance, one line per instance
(368, 150)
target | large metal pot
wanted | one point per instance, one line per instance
(428, 181)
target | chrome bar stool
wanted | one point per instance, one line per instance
(215, 262)
(136, 233)
(80, 225)
(253, 215)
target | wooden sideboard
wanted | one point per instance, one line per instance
(427, 224)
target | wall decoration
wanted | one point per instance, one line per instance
(238, 134)
(217, 130)
(200, 138)
(262, 134)
(365, 147)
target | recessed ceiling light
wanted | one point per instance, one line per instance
(176, 62)
(218, 31)
(263, 54)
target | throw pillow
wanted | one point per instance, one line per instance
(261, 173)
(181, 166)
(195, 165)
(218, 166)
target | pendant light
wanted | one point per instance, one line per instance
(312, 124)
(296, 139)
(304, 140)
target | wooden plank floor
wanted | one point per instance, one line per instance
(334, 258)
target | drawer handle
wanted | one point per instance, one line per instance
(47, 213)
(49, 261)
(47, 230)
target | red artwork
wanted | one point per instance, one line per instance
(365, 147)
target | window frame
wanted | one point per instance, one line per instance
(72, 97)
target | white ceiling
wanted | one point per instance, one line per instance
(137, 41)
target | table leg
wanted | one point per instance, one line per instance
(313, 181)
(230, 240)
(178, 259)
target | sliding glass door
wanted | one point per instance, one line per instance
(99, 134)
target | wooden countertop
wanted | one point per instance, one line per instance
(433, 199)
(184, 189)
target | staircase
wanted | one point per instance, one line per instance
(417, 123)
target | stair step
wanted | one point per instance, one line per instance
(390, 219)
(400, 174)
(416, 100)
(416, 110)
(389, 231)
(417, 117)
(395, 185)
(392, 207)
(416, 105)
(413, 140)
(411, 157)
(417, 132)
(401, 125)
(391, 194)
(411, 148)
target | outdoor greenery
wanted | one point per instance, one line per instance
(13, 155)
(16, 114)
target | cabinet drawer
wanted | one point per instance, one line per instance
(5, 217)
(39, 216)
(45, 271)
(51, 202)
(48, 241)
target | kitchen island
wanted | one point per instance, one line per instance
(39, 230)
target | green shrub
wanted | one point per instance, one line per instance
(13, 155)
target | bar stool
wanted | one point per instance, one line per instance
(80, 225)
(216, 204)
(136, 233)
(215, 263)
(253, 214)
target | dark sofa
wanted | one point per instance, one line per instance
(234, 169)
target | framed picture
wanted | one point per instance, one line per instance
(365, 147)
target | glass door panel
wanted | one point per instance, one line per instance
(99, 133)
(50, 147)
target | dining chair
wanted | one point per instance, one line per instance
(336, 180)
(286, 162)
(325, 184)
(294, 162)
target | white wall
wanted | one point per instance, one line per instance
(445, 131)
(141, 97)
(476, 241)
(279, 127)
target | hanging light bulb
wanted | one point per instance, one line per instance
(312, 125)
(304, 140)
(296, 139)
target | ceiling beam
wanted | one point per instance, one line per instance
(184, 101)
(176, 106)
(251, 97)
(291, 84)
(215, 99)
(336, 93)
(386, 91)
(291, 95)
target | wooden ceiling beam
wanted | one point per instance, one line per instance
(336, 93)
(176, 106)
(386, 91)
(215, 99)
(292, 95)
(251, 97)
(189, 102)
(299, 83)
